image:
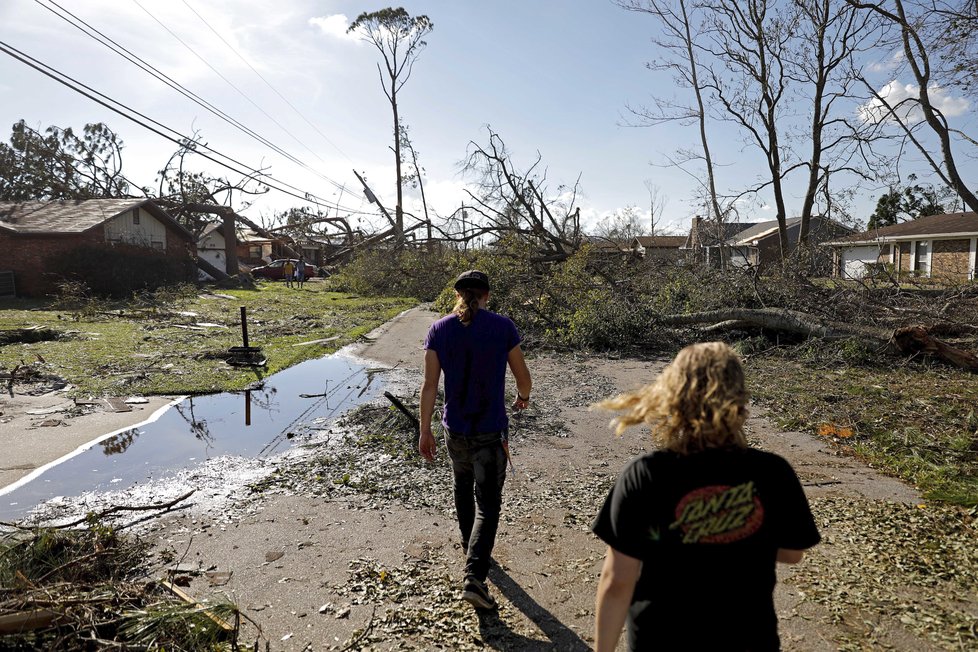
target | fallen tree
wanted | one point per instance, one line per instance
(906, 340)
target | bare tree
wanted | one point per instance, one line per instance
(828, 35)
(679, 53)
(399, 37)
(415, 176)
(195, 198)
(749, 40)
(952, 32)
(657, 204)
(515, 203)
(911, 29)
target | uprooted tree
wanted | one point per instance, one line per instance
(196, 198)
(515, 203)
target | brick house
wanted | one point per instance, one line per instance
(760, 245)
(32, 233)
(938, 246)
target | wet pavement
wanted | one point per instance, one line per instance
(255, 424)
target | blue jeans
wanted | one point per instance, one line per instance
(479, 464)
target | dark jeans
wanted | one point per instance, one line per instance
(479, 463)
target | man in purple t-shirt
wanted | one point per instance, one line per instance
(473, 346)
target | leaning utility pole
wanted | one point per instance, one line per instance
(372, 198)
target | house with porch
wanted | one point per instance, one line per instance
(942, 247)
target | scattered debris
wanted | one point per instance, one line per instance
(322, 340)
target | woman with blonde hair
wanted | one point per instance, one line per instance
(695, 528)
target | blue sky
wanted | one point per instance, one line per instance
(548, 75)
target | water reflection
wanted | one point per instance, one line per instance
(119, 443)
(257, 423)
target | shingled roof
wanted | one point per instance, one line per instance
(706, 233)
(73, 216)
(661, 241)
(946, 225)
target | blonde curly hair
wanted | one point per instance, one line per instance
(699, 401)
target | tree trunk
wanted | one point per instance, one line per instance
(230, 244)
(907, 340)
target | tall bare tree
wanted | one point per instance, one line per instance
(679, 55)
(399, 37)
(657, 204)
(749, 40)
(910, 21)
(828, 35)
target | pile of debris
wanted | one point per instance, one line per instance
(84, 585)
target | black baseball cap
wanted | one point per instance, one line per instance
(472, 279)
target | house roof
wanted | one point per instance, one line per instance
(660, 241)
(709, 235)
(947, 225)
(613, 244)
(759, 230)
(818, 225)
(73, 216)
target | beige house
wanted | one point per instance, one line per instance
(939, 246)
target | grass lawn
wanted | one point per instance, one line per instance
(915, 421)
(146, 348)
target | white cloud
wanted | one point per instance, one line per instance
(902, 98)
(887, 65)
(334, 26)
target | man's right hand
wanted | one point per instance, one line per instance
(426, 444)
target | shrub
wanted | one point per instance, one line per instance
(119, 270)
(417, 273)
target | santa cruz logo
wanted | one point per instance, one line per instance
(719, 514)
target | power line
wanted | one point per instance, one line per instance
(182, 141)
(130, 56)
(267, 83)
(226, 80)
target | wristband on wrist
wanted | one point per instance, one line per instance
(525, 400)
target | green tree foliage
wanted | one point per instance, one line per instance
(60, 164)
(908, 203)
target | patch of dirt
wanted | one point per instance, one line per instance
(371, 560)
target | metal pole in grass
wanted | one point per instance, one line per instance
(244, 326)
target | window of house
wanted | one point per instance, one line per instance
(254, 252)
(135, 216)
(920, 257)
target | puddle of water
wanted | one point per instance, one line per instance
(257, 424)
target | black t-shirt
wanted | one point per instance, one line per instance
(707, 527)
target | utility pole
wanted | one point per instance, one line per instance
(372, 198)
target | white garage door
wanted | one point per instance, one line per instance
(855, 260)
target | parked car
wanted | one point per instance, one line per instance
(273, 270)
